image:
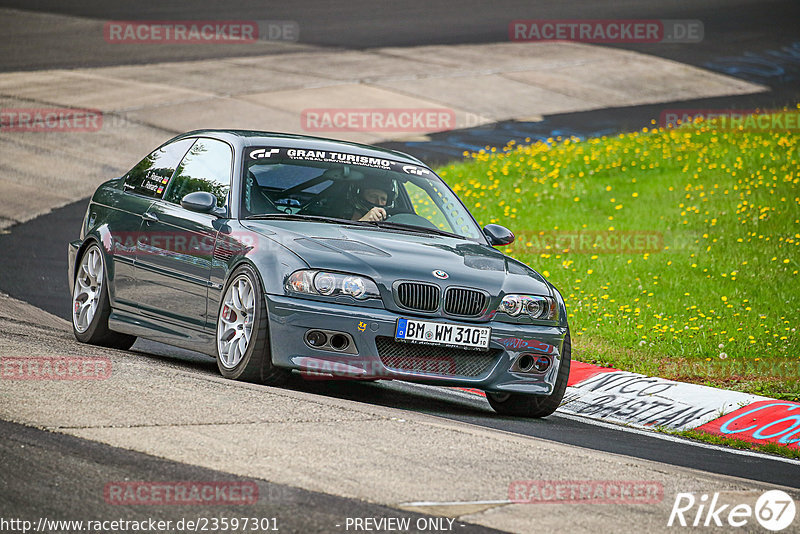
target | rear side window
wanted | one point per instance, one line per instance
(151, 175)
(206, 167)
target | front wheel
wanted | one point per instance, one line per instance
(536, 405)
(91, 306)
(243, 351)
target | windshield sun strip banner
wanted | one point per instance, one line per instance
(264, 154)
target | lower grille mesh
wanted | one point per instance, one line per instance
(432, 360)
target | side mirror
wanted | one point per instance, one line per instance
(498, 235)
(200, 201)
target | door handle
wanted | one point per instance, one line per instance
(150, 217)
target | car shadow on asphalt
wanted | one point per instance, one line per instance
(431, 400)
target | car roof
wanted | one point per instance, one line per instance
(245, 138)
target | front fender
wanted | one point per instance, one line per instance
(237, 245)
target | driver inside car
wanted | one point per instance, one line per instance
(370, 200)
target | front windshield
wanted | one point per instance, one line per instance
(288, 181)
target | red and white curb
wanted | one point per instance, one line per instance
(649, 402)
(646, 402)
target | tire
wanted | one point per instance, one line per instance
(91, 306)
(243, 351)
(536, 406)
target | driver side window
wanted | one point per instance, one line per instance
(206, 167)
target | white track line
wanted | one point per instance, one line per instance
(453, 503)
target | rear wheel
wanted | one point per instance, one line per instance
(91, 306)
(243, 351)
(536, 405)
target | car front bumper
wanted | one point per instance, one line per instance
(377, 356)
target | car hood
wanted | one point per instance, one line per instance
(387, 255)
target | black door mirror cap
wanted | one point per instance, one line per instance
(498, 235)
(201, 202)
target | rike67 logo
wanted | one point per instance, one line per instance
(774, 510)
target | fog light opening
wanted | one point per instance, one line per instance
(339, 342)
(315, 338)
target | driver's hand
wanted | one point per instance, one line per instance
(375, 214)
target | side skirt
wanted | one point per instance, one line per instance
(163, 332)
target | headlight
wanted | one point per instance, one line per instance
(312, 282)
(354, 286)
(534, 306)
(511, 304)
(325, 283)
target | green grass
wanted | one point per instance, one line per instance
(770, 448)
(716, 301)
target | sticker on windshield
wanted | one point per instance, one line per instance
(263, 153)
(327, 156)
(411, 169)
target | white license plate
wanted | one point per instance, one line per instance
(446, 334)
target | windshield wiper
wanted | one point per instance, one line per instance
(297, 216)
(414, 228)
(335, 220)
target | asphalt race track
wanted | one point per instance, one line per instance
(58, 476)
(732, 27)
(48, 489)
(36, 244)
(742, 38)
